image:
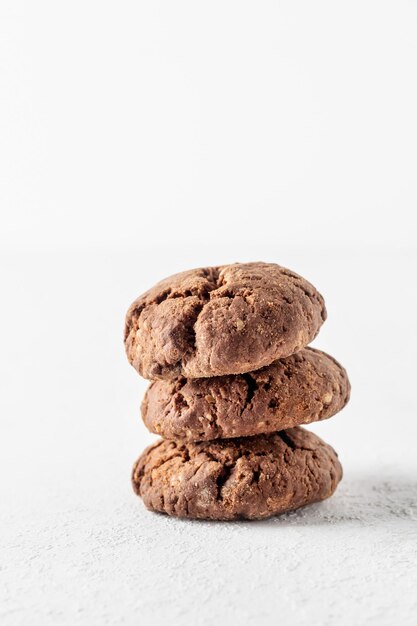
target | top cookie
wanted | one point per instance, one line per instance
(221, 320)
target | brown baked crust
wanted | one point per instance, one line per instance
(305, 387)
(246, 478)
(221, 320)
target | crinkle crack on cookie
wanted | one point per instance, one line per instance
(221, 320)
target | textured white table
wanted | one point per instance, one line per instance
(77, 547)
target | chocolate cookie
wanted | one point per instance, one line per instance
(247, 478)
(221, 320)
(305, 387)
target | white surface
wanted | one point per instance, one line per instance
(79, 548)
(141, 138)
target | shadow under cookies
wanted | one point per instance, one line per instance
(367, 501)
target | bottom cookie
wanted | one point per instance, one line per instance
(246, 478)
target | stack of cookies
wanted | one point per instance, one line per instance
(232, 380)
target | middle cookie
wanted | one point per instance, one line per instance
(305, 387)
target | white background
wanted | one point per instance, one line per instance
(142, 138)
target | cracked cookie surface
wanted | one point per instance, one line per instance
(221, 320)
(246, 478)
(305, 387)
